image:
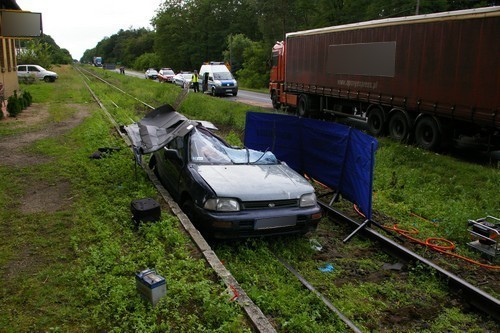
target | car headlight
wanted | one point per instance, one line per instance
(308, 200)
(222, 205)
(217, 83)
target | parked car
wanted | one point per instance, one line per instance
(166, 75)
(151, 74)
(227, 192)
(32, 72)
(183, 78)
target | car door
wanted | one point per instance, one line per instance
(32, 70)
(22, 71)
(169, 168)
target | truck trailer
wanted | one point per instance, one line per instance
(432, 79)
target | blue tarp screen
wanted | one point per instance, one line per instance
(336, 155)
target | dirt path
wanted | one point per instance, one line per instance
(38, 196)
(11, 147)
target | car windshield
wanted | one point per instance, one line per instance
(187, 76)
(168, 72)
(223, 76)
(205, 148)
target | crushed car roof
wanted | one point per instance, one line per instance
(159, 127)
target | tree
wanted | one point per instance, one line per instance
(35, 52)
(58, 55)
(234, 55)
(255, 69)
(147, 60)
(189, 32)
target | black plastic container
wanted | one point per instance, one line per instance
(145, 210)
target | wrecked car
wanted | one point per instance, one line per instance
(227, 192)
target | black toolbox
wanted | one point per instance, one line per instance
(145, 210)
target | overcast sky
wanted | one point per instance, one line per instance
(80, 25)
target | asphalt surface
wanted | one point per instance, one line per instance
(244, 96)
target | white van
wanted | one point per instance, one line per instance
(217, 79)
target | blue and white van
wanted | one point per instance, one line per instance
(216, 78)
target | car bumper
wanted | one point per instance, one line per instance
(257, 223)
(225, 90)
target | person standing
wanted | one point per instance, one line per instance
(194, 80)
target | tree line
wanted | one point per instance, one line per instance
(187, 33)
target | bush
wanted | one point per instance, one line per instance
(27, 97)
(15, 104)
(30, 79)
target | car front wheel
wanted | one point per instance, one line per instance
(188, 209)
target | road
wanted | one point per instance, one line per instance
(252, 98)
(262, 100)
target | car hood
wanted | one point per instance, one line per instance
(254, 182)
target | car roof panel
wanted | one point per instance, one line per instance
(159, 127)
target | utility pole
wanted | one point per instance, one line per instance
(230, 51)
(418, 6)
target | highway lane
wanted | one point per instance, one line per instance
(252, 98)
(262, 100)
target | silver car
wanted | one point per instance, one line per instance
(183, 79)
(151, 74)
(228, 192)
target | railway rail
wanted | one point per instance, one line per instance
(483, 301)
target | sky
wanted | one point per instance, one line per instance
(80, 25)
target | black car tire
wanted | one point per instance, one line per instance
(188, 209)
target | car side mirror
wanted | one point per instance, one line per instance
(173, 154)
(210, 78)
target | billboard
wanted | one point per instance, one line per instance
(19, 24)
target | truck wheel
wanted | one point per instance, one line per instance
(399, 127)
(304, 106)
(428, 133)
(274, 100)
(376, 122)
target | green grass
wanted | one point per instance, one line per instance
(446, 192)
(72, 269)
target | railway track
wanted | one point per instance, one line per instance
(479, 299)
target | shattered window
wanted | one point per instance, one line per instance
(208, 149)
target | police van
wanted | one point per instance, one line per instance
(216, 78)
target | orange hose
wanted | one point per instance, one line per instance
(430, 242)
(316, 181)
